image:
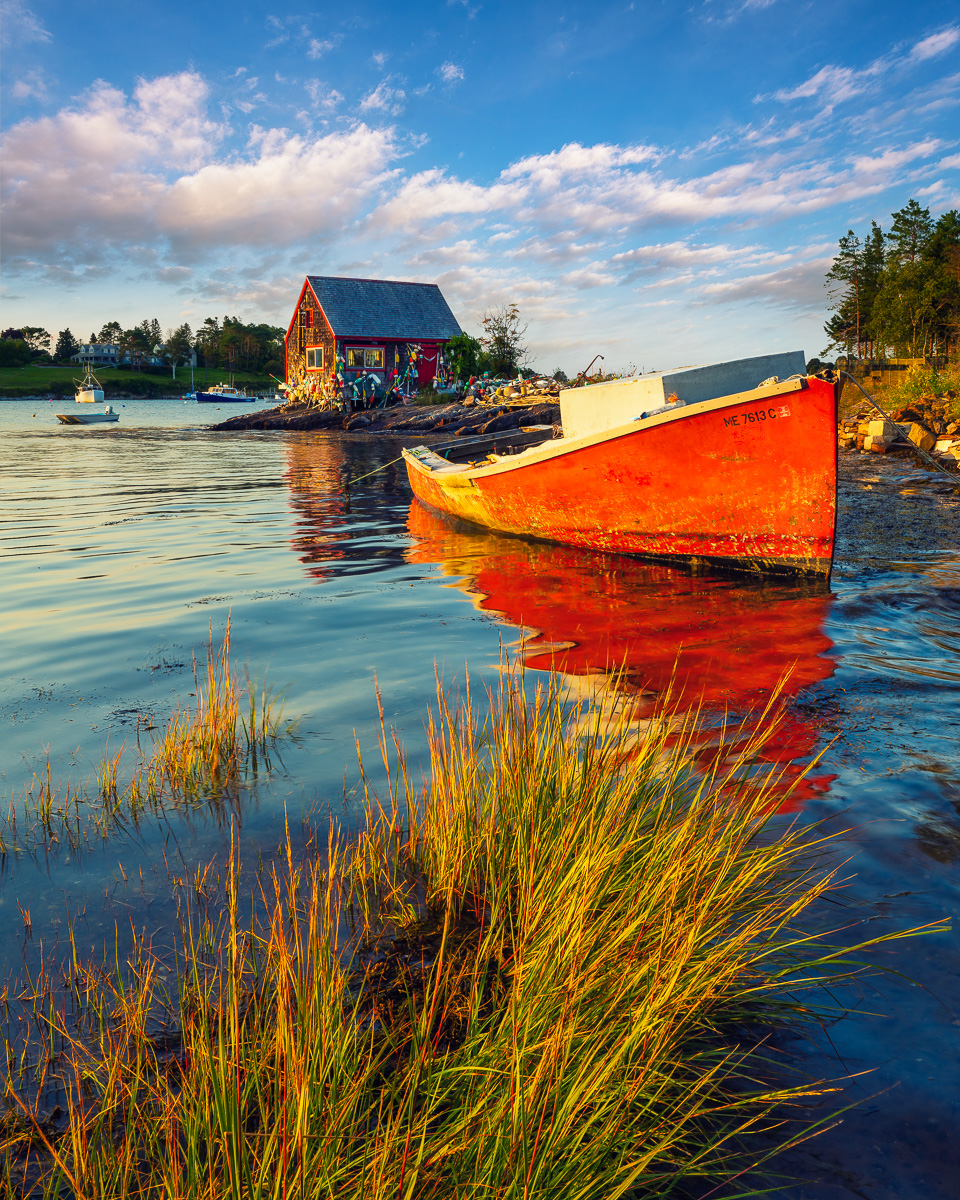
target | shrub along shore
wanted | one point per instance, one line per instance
(548, 971)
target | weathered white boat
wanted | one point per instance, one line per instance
(89, 389)
(88, 418)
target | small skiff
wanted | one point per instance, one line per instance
(733, 465)
(89, 418)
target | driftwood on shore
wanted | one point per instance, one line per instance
(459, 420)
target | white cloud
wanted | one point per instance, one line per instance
(796, 286)
(834, 84)
(429, 195)
(318, 47)
(323, 97)
(890, 160)
(608, 191)
(384, 98)
(112, 173)
(295, 188)
(31, 86)
(662, 255)
(937, 43)
(20, 24)
(449, 72)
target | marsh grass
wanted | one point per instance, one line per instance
(550, 971)
(208, 754)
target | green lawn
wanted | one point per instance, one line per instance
(37, 380)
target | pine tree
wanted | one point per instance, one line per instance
(942, 261)
(110, 334)
(845, 283)
(67, 346)
(910, 232)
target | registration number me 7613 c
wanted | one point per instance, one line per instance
(773, 413)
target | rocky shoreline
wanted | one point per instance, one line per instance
(460, 419)
(929, 427)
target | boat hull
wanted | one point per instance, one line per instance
(87, 418)
(214, 398)
(746, 481)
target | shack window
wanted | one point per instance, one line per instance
(308, 318)
(314, 358)
(370, 360)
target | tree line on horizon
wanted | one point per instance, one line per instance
(896, 293)
(228, 344)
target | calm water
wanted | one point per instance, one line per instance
(119, 547)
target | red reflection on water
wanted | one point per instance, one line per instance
(314, 477)
(615, 622)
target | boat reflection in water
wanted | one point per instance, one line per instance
(333, 535)
(625, 632)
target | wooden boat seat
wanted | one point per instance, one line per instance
(433, 462)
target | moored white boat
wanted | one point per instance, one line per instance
(89, 389)
(222, 393)
(88, 418)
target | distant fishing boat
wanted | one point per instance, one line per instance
(223, 393)
(89, 391)
(733, 464)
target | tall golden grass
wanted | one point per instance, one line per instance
(206, 754)
(542, 974)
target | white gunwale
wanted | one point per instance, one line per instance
(560, 446)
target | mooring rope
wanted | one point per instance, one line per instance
(375, 471)
(886, 416)
(483, 437)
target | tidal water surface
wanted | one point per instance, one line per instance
(121, 547)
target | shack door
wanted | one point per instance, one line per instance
(427, 364)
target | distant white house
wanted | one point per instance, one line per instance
(97, 354)
(103, 354)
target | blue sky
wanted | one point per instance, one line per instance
(657, 182)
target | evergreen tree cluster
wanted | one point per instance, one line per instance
(228, 344)
(896, 294)
(234, 346)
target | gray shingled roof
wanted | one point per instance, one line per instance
(384, 308)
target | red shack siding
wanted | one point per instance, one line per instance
(309, 327)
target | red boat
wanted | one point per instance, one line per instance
(733, 465)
